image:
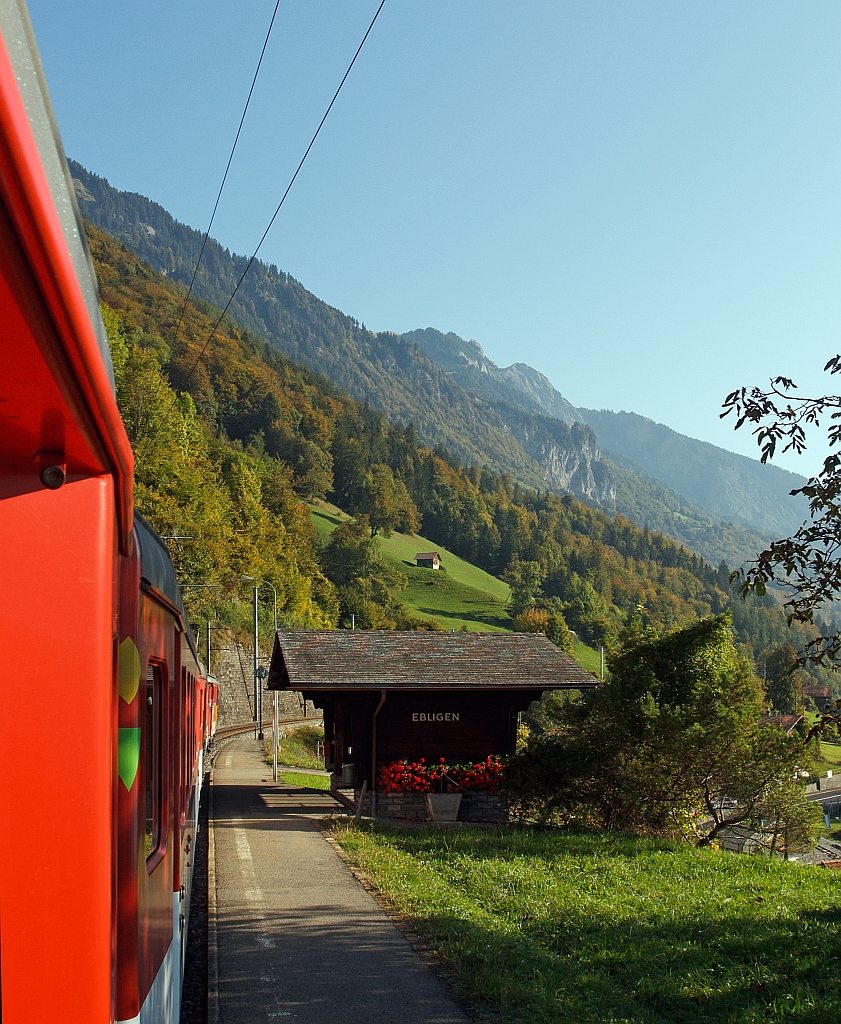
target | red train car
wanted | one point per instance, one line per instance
(162, 727)
(105, 711)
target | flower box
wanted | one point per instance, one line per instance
(443, 806)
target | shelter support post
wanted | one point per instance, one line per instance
(275, 737)
(257, 729)
(383, 694)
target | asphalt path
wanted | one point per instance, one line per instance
(293, 935)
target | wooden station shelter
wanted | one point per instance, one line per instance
(405, 694)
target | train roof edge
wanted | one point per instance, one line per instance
(42, 219)
(158, 573)
(18, 34)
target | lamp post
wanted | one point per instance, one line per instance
(258, 693)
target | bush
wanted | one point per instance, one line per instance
(658, 748)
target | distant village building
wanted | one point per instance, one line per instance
(821, 695)
(428, 560)
(787, 722)
(394, 695)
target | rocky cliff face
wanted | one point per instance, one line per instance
(568, 455)
(728, 486)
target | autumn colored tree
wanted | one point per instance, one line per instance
(234, 507)
(550, 623)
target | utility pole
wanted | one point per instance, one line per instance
(275, 737)
(207, 643)
(258, 679)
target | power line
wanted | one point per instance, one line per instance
(187, 297)
(224, 179)
(248, 266)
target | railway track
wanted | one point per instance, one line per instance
(239, 730)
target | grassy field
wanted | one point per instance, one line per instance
(298, 746)
(461, 596)
(830, 759)
(325, 518)
(401, 549)
(586, 657)
(543, 927)
(451, 603)
(305, 781)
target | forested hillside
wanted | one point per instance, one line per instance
(720, 504)
(647, 501)
(727, 485)
(391, 373)
(515, 422)
(231, 437)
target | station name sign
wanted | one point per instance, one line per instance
(435, 716)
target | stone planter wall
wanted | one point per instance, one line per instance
(408, 806)
(480, 805)
(476, 805)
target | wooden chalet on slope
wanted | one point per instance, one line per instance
(821, 695)
(428, 560)
(404, 694)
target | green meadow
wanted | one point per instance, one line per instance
(304, 781)
(539, 927)
(459, 596)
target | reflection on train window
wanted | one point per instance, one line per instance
(152, 736)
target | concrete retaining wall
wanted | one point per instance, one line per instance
(824, 784)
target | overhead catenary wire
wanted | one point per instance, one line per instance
(179, 322)
(224, 179)
(263, 237)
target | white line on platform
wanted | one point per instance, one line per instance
(251, 888)
(212, 934)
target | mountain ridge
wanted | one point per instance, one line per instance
(727, 484)
(516, 423)
(383, 368)
(466, 362)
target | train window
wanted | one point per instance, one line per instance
(153, 742)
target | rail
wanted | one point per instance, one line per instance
(237, 730)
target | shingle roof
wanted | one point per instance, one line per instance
(426, 555)
(787, 722)
(818, 691)
(414, 660)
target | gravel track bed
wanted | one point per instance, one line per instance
(194, 992)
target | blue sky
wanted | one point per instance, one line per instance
(639, 199)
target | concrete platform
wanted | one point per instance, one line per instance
(294, 936)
